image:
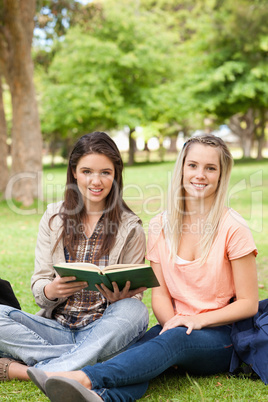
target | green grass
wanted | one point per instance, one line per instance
(145, 191)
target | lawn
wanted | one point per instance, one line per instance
(145, 191)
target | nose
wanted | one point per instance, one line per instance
(200, 173)
(95, 179)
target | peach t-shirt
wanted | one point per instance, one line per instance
(194, 288)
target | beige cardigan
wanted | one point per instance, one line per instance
(129, 247)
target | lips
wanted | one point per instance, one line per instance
(199, 186)
(96, 190)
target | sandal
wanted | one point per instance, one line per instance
(4, 367)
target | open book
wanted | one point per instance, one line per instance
(139, 275)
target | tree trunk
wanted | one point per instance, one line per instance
(3, 144)
(161, 150)
(246, 144)
(261, 137)
(132, 148)
(244, 126)
(173, 145)
(147, 150)
(261, 142)
(17, 65)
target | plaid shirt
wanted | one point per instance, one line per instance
(85, 306)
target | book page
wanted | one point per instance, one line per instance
(85, 266)
(123, 267)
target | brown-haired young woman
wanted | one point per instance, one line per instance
(93, 224)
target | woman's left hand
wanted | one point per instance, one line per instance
(190, 322)
(116, 294)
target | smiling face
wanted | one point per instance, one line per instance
(201, 172)
(94, 174)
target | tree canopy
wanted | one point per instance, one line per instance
(163, 63)
(107, 74)
(228, 55)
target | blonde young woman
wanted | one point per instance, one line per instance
(203, 254)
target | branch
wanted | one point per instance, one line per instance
(237, 119)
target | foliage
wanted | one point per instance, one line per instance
(165, 62)
(52, 20)
(230, 47)
(106, 73)
(54, 17)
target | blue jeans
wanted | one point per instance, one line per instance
(47, 345)
(125, 377)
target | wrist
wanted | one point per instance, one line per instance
(203, 320)
(48, 294)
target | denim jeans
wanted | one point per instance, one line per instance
(47, 345)
(125, 377)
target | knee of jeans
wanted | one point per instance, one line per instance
(6, 310)
(136, 306)
(134, 309)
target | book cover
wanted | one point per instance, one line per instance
(138, 274)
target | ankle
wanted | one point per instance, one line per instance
(77, 375)
(15, 370)
(85, 381)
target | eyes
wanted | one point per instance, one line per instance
(102, 173)
(208, 168)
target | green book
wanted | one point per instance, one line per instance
(139, 275)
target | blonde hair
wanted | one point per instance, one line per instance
(176, 197)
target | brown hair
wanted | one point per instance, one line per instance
(73, 209)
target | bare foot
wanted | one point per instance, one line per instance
(78, 375)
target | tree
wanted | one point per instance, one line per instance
(243, 126)
(106, 72)
(16, 32)
(3, 144)
(17, 21)
(230, 48)
(176, 99)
